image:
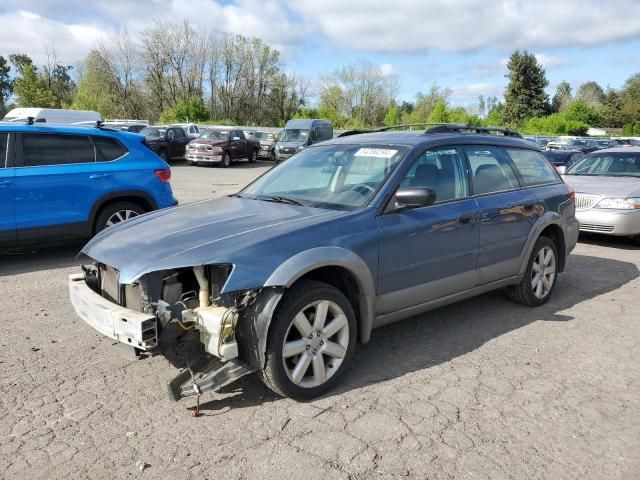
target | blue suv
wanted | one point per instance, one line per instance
(60, 183)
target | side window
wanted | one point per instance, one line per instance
(171, 134)
(109, 148)
(180, 135)
(240, 134)
(3, 149)
(533, 167)
(441, 170)
(490, 171)
(49, 149)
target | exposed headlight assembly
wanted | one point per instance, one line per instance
(630, 203)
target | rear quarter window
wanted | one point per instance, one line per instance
(533, 167)
(109, 148)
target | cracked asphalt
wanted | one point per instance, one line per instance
(481, 389)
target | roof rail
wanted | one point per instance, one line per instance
(461, 128)
(428, 124)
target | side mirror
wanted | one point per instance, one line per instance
(407, 198)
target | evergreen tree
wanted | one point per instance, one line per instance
(562, 98)
(5, 84)
(31, 90)
(612, 109)
(525, 96)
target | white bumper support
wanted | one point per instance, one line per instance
(122, 324)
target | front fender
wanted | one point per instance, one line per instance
(304, 262)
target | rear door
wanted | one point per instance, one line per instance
(7, 187)
(507, 212)
(57, 183)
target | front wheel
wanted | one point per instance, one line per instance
(311, 341)
(252, 157)
(163, 155)
(226, 160)
(539, 280)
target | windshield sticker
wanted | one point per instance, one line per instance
(376, 152)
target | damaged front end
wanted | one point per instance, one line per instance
(214, 338)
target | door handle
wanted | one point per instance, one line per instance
(99, 176)
(464, 219)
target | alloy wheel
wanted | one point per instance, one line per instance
(543, 273)
(121, 216)
(315, 344)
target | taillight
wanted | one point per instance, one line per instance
(164, 175)
(572, 193)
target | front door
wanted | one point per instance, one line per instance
(430, 252)
(7, 186)
(507, 212)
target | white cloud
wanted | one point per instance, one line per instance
(387, 69)
(466, 25)
(551, 61)
(469, 93)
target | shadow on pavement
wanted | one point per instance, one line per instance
(42, 258)
(622, 243)
(441, 335)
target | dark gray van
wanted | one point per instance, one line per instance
(298, 134)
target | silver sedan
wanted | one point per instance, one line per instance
(607, 186)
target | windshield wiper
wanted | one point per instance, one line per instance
(281, 199)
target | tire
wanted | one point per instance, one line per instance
(309, 353)
(163, 155)
(252, 157)
(226, 160)
(189, 162)
(115, 213)
(532, 289)
(272, 157)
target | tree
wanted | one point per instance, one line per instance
(31, 90)
(20, 61)
(439, 114)
(562, 98)
(426, 102)
(186, 111)
(482, 106)
(392, 117)
(581, 111)
(612, 109)
(5, 84)
(591, 93)
(630, 96)
(525, 96)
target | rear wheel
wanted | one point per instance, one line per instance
(191, 162)
(252, 157)
(226, 160)
(116, 213)
(273, 156)
(163, 155)
(539, 280)
(311, 341)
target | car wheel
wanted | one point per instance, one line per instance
(252, 157)
(116, 213)
(226, 160)
(192, 163)
(273, 157)
(539, 280)
(163, 155)
(311, 341)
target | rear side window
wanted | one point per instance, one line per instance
(533, 167)
(3, 149)
(109, 148)
(180, 133)
(490, 170)
(51, 149)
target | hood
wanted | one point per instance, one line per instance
(207, 141)
(615, 187)
(197, 233)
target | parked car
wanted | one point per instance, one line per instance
(191, 129)
(628, 141)
(540, 141)
(353, 233)
(52, 115)
(63, 183)
(132, 126)
(267, 144)
(298, 134)
(169, 143)
(607, 185)
(606, 143)
(584, 145)
(562, 159)
(222, 146)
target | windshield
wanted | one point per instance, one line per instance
(295, 135)
(216, 134)
(618, 164)
(342, 177)
(267, 137)
(153, 133)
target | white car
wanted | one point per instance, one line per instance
(193, 131)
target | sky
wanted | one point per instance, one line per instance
(460, 44)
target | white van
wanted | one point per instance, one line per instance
(52, 115)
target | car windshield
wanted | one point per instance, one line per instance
(614, 164)
(267, 137)
(294, 135)
(153, 133)
(341, 177)
(215, 134)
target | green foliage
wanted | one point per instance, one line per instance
(581, 111)
(31, 90)
(631, 129)
(306, 112)
(495, 117)
(91, 93)
(525, 96)
(439, 113)
(591, 93)
(554, 124)
(186, 111)
(562, 98)
(392, 117)
(20, 61)
(612, 110)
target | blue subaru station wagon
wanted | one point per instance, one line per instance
(59, 182)
(285, 276)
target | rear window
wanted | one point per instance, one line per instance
(52, 149)
(109, 148)
(533, 167)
